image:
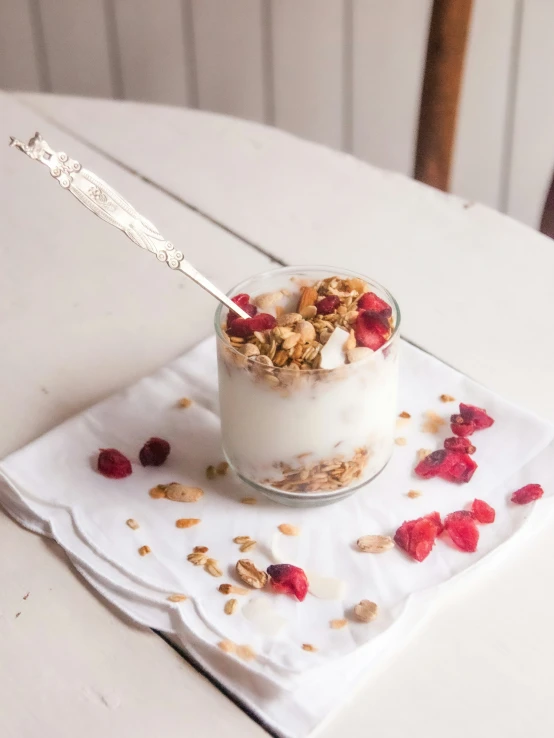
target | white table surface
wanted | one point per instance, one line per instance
(84, 312)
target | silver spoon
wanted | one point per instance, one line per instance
(108, 204)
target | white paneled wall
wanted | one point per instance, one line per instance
(346, 73)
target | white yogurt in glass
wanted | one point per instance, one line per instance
(312, 436)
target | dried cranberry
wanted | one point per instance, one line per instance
(154, 452)
(244, 327)
(371, 301)
(328, 305)
(475, 415)
(288, 579)
(461, 528)
(460, 427)
(417, 537)
(433, 464)
(529, 493)
(243, 301)
(452, 466)
(459, 444)
(371, 330)
(113, 464)
(461, 468)
(482, 511)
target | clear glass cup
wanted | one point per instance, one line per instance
(312, 436)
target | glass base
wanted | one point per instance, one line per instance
(308, 499)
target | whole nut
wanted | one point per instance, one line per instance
(250, 574)
(306, 331)
(366, 611)
(375, 544)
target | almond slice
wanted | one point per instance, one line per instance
(375, 544)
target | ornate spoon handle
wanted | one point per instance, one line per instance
(106, 203)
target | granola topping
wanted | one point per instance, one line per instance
(250, 574)
(321, 476)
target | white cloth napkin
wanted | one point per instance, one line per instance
(51, 486)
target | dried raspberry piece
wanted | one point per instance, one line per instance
(482, 511)
(461, 528)
(417, 537)
(433, 464)
(244, 327)
(460, 468)
(371, 301)
(288, 579)
(435, 518)
(371, 330)
(328, 305)
(459, 444)
(154, 452)
(243, 301)
(460, 427)
(475, 415)
(113, 464)
(529, 493)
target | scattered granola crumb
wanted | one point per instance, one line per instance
(413, 493)
(157, 493)
(211, 472)
(241, 539)
(196, 559)
(222, 468)
(227, 646)
(422, 453)
(132, 524)
(246, 653)
(249, 501)
(400, 441)
(25, 597)
(338, 623)
(308, 647)
(432, 423)
(200, 549)
(143, 550)
(250, 574)
(405, 415)
(177, 598)
(447, 398)
(187, 522)
(375, 544)
(232, 589)
(212, 567)
(247, 545)
(230, 606)
(289, 530)
(184, 402)
(366, 611)
(17, 614)
(181, 493)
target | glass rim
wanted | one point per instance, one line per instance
(237, 289)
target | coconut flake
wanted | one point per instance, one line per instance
(332, 354)
(326, 588)
(263, 616)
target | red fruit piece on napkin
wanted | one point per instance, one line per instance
(245, 327)
(288, 579)
(154, 452)
(461, 528)
(461, 468)
(475, 415)
(371, 301)
(371, 330)
(482, 511)
(529, 493)
(463, 445)
(460, 427)
(417, 537)
(113, 464)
